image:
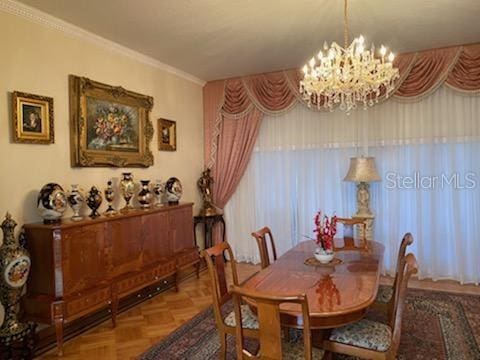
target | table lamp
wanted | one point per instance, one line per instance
(363, 171)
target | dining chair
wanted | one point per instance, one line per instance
(271, 344)
(261, 238)
(370, 339)
(384, 295)
(349, 230)
(214, 257)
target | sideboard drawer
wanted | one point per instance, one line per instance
(187, 257)
(96, 299)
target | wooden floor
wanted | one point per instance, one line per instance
(148, 323)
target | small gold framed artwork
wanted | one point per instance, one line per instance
(167, 135)
(32, 118)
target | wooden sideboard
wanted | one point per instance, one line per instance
(81, 267)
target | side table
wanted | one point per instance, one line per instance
(209, 222)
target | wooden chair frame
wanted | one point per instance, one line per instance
(408, 267)
(261, 237)
(407, 240)
(349, 242)
(215, 260)
(268, 311)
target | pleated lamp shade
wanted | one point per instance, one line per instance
(362, 169)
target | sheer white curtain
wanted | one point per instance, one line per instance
(427, 153)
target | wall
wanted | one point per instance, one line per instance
(37, 59)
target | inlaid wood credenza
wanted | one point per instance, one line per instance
(81, 267)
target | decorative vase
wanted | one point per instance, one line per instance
(14, 269)
(76, 201)
(158, 191)
(94, 200)
(145, 195)
(51, 203)
(128, 189)
(173, 190)
(110, 196)
(324, 256)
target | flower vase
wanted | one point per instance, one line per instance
(94, 200)
(75, 200)
(110, 197)
(324, 256)
(145, 195)
(128, 189)
(158, 191)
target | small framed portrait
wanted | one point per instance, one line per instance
(167, 135)
(32, 118)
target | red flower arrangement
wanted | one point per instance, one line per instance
(325, 230)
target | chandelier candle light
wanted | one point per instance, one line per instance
(349, 75)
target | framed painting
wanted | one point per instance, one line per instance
(32, 118)
(109, 126)
(167, 135)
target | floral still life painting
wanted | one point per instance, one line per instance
(109, 126)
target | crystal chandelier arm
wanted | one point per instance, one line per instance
(345, 24)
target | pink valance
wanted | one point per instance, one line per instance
(420, 74)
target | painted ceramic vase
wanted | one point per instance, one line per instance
(158, 191)
(173, 190)
(110, 196)
(51, 203)
(14, 269)
(323, 256)
(94, 200)
(128, 189)
(76, 201)
(145, 195)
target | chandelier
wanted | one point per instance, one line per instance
(349, 75)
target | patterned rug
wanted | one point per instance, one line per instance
(436, 326)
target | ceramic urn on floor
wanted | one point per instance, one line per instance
(14, 269)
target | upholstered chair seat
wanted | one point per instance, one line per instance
(249, 320)
(384, 294)
(365, 333)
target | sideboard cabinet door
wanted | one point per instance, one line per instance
(156, 244)
(83, 258)
(125, 242)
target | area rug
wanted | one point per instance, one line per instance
(436, 326)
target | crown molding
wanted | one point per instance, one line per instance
(47, 20)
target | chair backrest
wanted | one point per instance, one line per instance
(408, 267)
(407, 240)
(214, 257)
(349, 241)
(261, 237)
(268, 312)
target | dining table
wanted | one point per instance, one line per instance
(338, 293)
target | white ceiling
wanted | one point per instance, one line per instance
(216, 39)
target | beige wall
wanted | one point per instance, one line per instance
(36, 59)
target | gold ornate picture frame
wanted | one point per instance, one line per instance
(32, 118)
(109, 126)
(167, 135)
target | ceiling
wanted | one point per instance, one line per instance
(216, 39)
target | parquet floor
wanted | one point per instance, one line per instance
(147, 323)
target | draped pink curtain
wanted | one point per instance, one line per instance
(233, 108)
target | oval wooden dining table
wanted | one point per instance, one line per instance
(337, 294)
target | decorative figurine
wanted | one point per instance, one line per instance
(51, 203)
(14, 269)
(110, 196)
(158, 191)
(128, 189)
(145, 195)
(205, 185)
(173, 190)
(76, 201)
(94, 200)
